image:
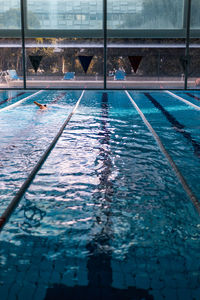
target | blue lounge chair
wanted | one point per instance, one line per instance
(120, 75)
(13, 75)
(69, 76)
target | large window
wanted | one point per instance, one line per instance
(64, 14)
(195, 13)
(145, 14)
(194, 53)
(145, 43)
(10, 17)
(58, 41)
(11, 66)
(86, 43)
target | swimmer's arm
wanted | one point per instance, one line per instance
(38, 104)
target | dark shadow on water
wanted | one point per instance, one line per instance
(62, 292)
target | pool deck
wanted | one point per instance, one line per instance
(94, 82)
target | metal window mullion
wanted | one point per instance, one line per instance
(23, 42)
(105, 40)
(187, 43)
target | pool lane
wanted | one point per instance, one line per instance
(5, 99)
(23, 117)
(183, 100)
(178, 128)
(9, 98)
(179, 175)
(26, 133)
(192, 96)
(16, 199)
(61, 217)
(105, 215)
(177, 125)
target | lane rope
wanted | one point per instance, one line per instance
(181, 178)
(176, 125)
(20, 101)
(14, 202)
(183, 100)
(192, 96)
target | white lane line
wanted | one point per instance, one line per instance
(182, 99)
(181, 178)
(20, 101)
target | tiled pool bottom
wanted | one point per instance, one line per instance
(34, 274)
(106, 217)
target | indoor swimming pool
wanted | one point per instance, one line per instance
(113, 212)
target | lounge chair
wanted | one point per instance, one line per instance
(2, 76)
(120, 75)
(13, 75)
(69, 76)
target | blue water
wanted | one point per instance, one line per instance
(106, 216)
(25, 133)
(191, 97)
(10, 97)
(180, 136)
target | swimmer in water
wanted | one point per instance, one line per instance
(41, 106)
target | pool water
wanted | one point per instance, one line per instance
(106, 216)
(10, 97)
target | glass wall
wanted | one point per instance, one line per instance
(143, 52)
(57, 55)
(145, 14)
(11, 67)
(194, 51)
(65, 43)
(64, 14)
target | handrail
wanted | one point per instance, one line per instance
(10, 208)
(181, 178)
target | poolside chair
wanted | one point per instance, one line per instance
(13, 75)
(111, 74)
(120, 75)
(69, 76)
(2, 76)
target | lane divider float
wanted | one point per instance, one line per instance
(183, 100)
(193, 96)
(181, 178)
